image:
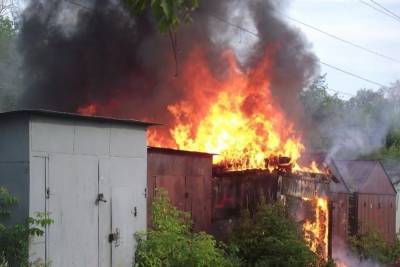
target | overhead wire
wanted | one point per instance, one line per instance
(340, 39)
(258, 36)
(379, 10)
(384, 8)
(323, 63)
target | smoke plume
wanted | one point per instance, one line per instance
(76, 54)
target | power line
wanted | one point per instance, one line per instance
(379, 10)
(340, 39)
(323, 63)
(386, 9)
(352, 74)
(257, 35)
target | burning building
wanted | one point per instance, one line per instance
(236, 100)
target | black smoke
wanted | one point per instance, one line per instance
(82, 52)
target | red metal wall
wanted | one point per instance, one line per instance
(187, 178)
(340, 218)
(377, 212)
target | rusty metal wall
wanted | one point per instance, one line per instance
(187, 178)
(242, 190)
(340, 217)
(377, 212)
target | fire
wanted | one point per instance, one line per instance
(234, 116)
(316, 232)
(88, 110)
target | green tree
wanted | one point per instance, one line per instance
(9, 59)
(170, 242)
(272, 238)
(320, 109)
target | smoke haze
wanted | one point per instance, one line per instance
(97, 53)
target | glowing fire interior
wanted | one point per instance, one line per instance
(234, 116)
(316, 231)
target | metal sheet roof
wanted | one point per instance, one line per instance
(363, 176)
(58, 114)
(177, 151)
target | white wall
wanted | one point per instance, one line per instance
(80, 159)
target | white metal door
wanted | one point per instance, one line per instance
(123, 213)
(72, 192)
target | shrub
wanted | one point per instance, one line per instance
(371, 246)
(171, 243)
(272, 238)
(14, 239)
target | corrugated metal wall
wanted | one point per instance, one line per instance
(187, 178)
(340, 215)
(377, 212)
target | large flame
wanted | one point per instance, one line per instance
(316, 231)
(234, 116)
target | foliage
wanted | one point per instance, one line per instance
(168, 13)
(319, 108)
(355, 126)
(371, 246)
(6, 201)
(14, 239)
(272, 238)
(6, 33)
(171, 243)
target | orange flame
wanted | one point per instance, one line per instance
(234, 116)
(316, 232)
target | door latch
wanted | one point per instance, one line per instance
(100, 197)
(115, 237)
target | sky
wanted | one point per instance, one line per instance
(355, 22)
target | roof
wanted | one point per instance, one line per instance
(338, 185)
(177, 151)
(58, 114)
(362, 176)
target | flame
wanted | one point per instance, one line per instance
(235, 116)
(88, 110)
(316, 232)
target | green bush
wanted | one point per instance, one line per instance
(371, 246)
(272, 238)
(14, 239)
(171, 243)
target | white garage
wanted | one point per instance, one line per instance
(87, 173)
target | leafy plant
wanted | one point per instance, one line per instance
(168, 13)
(272, 238)
(171, 243)
(14, 239)
(371, 246)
